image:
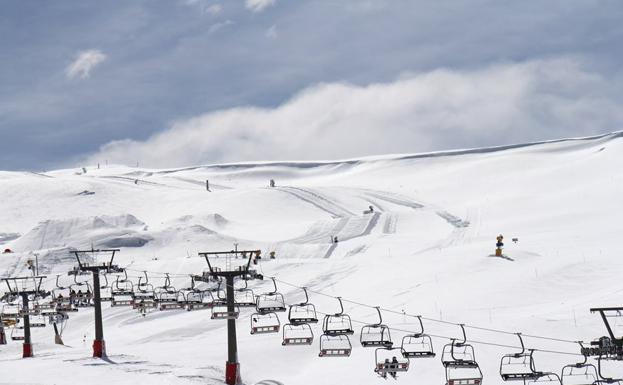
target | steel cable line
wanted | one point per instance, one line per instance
(454, 338)
(432, 319)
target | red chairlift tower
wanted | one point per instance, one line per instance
(26, 287)
(96, 261)
(229, 273)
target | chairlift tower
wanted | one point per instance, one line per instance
(229, 273)
(88, 262)
(612, 345)
(25, 287)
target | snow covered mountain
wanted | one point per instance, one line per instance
(425, 250)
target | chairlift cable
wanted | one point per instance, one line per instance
(436, 320)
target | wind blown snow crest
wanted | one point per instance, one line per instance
(501, 104)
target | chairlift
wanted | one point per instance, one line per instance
(10, 311)
(167, 296)
(63, 303)
(264, 323)
(374, 335)
(17, 333)
(122, 291)
(336, 345)
(460, 362)
(220, 309)
(603, 379)
(199, 299)
(302, 313)
(244, 296)
(37, 321)
(519, 366)
(270, 302)
(143, 297)
(82, 299)
(338, 323)
(105, 290)
(390, 361)
(297, 334)
(45, 307)
(417, 345)
(581, 373)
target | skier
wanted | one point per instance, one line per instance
(272, 183)
(394, 366)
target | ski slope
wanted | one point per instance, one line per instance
(424, 251)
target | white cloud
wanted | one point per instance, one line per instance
(84, 63)
(259, 5)
(420, 112)
(220, 25)
(271, 32)
(213, 9)
(206, 6)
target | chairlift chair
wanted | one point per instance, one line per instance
(10, 311)
(603, 379)
(519, 366)
(270, 302)
(338, 323)
(199, 299)
(264, 323)
(244, 296)
(375, 335)
(580, 373)
(143, 297)
(167, 296)
(460, 362)
(122, 292)
(105, 290)
(302, 313)
(335, 346)
(390, 361)
(220, 310)
(82, 299)
(17, 333)
(417, 345)
(297, 334)
(37, 321)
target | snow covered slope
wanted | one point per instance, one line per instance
(424, 251)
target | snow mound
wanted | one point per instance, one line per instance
(7, 237)
(209, 220)
(99, 231)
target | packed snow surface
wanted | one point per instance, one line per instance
(424, 250)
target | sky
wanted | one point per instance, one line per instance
(183, 82)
